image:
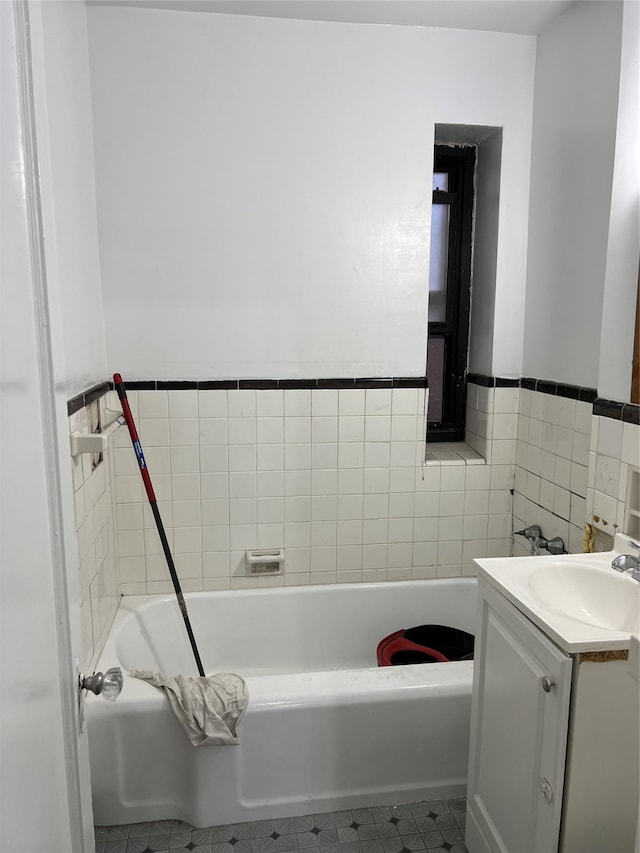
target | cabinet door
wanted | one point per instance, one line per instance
(518, 733)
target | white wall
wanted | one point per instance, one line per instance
(620, 289)
(574, 129)
(264, 188)
(68, 175)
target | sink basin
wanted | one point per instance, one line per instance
(578, 600)
(589, 594)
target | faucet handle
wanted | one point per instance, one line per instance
(532, 531)
(533, 534)
(625, 561)
(555, 545)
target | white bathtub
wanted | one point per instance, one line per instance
(325, 728)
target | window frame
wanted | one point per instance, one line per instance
(635, 368)
(459, 162)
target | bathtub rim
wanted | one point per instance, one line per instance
(143, 602)
(292, 689)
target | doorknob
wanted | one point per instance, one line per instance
(108, 685)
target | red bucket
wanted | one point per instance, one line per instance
(425, 644)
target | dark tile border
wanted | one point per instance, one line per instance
(75, 404)
(492, 381)
(81, 400)
(336, 383)
(608, 409)
(627, 412)
(143, 385)
(279, 384)
(175, 386)
(296, 384)
(410, 382)
(481, 379)
(86, 397)
(570, 391)
(96, 392)
(631, 414)
(218, 385)
(588, 395)
(559, 389)
(372, 382)
(258, 384)
(545, 387)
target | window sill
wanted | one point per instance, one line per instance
(452, 453)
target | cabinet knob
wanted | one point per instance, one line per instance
(547, 684)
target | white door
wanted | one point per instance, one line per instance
(44, 777)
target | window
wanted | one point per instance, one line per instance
(449, 290)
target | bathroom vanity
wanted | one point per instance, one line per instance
(554, 752)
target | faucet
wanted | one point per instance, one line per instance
(533, 535)
(627, 562)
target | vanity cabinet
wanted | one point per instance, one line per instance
(519, 721)
(554, 758)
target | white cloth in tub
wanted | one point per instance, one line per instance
(209, 709)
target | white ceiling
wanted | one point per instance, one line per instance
(526, 17)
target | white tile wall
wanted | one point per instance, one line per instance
(96, 524)
(333, 476)
(614, 452)
(571, 468)
(552, 463)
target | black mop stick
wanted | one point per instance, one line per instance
(146, 479)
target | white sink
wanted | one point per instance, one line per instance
(590, 594)
(578, 600)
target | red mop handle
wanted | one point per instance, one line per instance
(146, 479)
(133, 432)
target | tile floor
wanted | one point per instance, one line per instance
(436, 826)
